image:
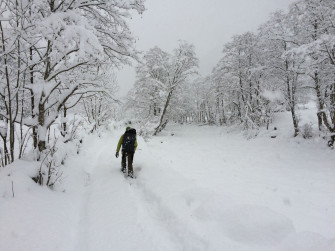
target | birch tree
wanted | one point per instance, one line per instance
(183, 65)
(160, 77)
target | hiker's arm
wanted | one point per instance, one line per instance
(119, 144)
(135, 144)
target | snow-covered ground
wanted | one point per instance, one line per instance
(204, 188)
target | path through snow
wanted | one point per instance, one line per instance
(201, 189)
(123, 214)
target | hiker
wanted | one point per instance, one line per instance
(129, 144)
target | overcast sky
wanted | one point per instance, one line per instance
(208, 24)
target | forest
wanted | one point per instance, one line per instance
(57, 75)
(240, 158)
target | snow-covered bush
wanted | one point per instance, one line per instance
(61, 145)
(52, 160)
(49, 172)
(70, 132)
(307, 131)
(146, 129)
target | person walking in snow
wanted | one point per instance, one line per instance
(128, 142)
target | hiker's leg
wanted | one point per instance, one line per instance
(130, 162)
(123, 161)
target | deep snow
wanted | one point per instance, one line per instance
(204, 188)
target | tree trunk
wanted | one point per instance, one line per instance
(319, 98)
(295, 122)
(64, 125)
(21, 145)
(332, 103)
(41, 127)
(9, 98)
(330, 124)
(4, 139)
(162, 124)
(32, 99)
(291, 99)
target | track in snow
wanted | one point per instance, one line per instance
(191, 200)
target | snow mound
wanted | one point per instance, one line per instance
(259, 225)
(308, 241)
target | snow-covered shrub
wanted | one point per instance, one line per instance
(71, 131)
(62, 144)
(307, 131)
(49, 172)
(251, 133)
(52, 160)
(146, 129)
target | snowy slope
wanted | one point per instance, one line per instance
(200, 189)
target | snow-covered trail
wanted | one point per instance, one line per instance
(108, 210)
(201, 190)
(115, 212)
(119, 213)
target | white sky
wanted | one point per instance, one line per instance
(208, 24)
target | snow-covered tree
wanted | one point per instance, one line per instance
(74, 38)
(238, 81)
(160, 77)
(315, 23)
(99, 107)
(52, 55)
(150, 84)
(280, 38)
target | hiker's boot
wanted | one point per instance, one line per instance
(131, 175)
